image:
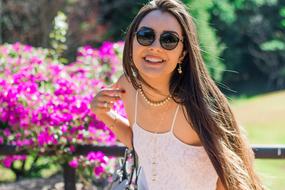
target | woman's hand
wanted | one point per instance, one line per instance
(102, 105)
(104, 100)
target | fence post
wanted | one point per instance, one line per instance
(69, 176)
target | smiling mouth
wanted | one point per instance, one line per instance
(153, 60)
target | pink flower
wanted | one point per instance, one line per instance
(95, 156)
(80, 136)
(73, 163)
(87, 50)
(106, 50)
(36, 60)
(98, 170)
(45, 102)
(72, 148)
(28, 48)
(7, 161)
(64, 129)
(45, 138)
(16, 46)
(7, 132)
(63, 87)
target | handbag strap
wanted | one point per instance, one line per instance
(124, 164)
(134, 165)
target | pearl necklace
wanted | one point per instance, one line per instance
(154, 103)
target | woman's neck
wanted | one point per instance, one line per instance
(161, 85)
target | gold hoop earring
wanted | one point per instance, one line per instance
(179, 69)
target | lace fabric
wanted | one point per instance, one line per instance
(176, 165)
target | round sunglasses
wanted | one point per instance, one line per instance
(168, 40)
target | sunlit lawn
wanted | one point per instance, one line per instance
(264, 119)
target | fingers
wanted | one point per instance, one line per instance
(109, 95)
(112, 91)
(105, 99)
(99, 107)
(103, 105)
(108, 98)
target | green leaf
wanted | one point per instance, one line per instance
(283, 23)
(273, 45)
(282, 12)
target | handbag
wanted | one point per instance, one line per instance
(122, 179)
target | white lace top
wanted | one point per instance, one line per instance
(169, 164)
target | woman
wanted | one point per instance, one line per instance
(183, 129)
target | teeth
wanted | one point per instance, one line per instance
(156, 60)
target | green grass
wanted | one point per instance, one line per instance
(263, 117)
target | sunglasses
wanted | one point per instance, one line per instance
(168, 40)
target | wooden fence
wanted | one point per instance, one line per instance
(69, 173)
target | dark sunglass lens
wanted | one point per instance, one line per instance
(145, 36)
(169, 40)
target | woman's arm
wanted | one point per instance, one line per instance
(101, 106)
(120, 126)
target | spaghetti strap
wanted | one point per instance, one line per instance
(136, 104)
(174, 118)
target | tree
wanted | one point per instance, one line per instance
(253, 32)
(28, 21)
(208, 39)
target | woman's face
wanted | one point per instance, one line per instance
(154, 61)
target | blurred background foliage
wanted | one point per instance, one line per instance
(243, 41)
(253, 32)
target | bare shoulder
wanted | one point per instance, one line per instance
(123, 82)
(220, 186)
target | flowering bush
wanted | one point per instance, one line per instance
(45, 104)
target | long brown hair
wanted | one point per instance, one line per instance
(206, 108)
